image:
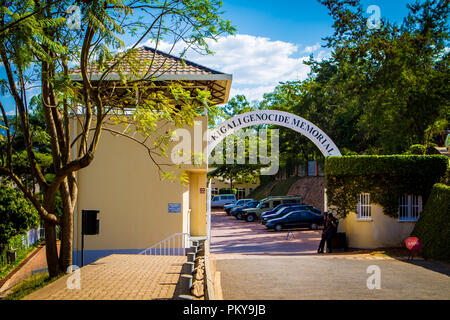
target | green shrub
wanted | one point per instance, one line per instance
(227, 191)
(417, 149)
(433, 227)
(386, 178)
(17, 215)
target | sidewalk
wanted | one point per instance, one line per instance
(120, 277)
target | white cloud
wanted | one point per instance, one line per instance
(11, 113)
(257, 64)
(311, 49)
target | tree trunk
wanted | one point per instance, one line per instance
(51, 249)
(231, 184)
(65, 254)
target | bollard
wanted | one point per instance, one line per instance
(187, 280)
(190, 266)
(191, 257)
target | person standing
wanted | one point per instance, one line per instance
(324, 233)
(331, 232)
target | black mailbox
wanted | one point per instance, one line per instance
(90, 223)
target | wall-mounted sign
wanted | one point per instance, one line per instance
(202, 190)
(174, 207)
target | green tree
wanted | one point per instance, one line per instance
(36, 46)
(240, 170)
(17, 214)
(394, 81)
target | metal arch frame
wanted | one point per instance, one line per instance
(291, 121)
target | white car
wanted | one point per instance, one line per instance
(221, 200)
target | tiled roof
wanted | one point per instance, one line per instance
(163, 64)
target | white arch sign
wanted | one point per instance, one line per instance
(280, 118)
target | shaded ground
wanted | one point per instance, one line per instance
(257, 264)
(327, 277)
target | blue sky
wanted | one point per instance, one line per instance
(272, 41)
(303, 22)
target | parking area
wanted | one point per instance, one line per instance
(230, 236)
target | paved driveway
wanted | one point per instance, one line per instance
(256, 264)
(231, 237)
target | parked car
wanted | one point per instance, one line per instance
(221, 200)
(235, 211)
(277, 208)
(267, 204)
(284, 210)
(239, 203)
(301, 218)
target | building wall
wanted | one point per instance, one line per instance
(124, 184)
(216, 183)
(381, 231)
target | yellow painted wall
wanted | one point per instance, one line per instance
(197, 199)
(381, 231)
(123, 183)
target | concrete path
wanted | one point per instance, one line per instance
(120, 277)
(330, 278)
(256, 264)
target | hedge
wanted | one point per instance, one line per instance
(386, 178)
(433, 227)
(228, 191)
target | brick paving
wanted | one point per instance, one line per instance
(121, 277)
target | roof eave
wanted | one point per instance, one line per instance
(163, 77)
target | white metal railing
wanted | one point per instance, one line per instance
(175, 245)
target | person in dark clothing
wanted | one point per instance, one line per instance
(324, 233)
(331, 231)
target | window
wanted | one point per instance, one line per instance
(240, 193)
(363, 209)
(217, 198)
(312, 168)
(276, 203)
(214, 191)
(410, 207)
(264, 205)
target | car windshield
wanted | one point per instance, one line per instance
(252, 204)
(281, 210)
(240, 202)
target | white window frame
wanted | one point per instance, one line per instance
(409, 208)
(240, 193)
(214, 191)
(364, 208)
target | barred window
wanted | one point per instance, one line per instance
(240, 193)
(410, 207)
(363, 209)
